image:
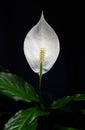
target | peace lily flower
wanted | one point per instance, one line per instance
(41, 47)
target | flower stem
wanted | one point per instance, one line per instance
(40, 83)
(40, 76)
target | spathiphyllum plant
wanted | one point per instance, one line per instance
(41, 49)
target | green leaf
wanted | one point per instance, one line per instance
(62, 102)
(16, 88)
(2, 69)
(24, 120)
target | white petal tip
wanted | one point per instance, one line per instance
(42, 15)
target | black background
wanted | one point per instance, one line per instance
(67, 19)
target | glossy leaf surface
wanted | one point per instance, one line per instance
(16, 88)
(24, 120)
(62, 102)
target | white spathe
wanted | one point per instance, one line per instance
(41, 36)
